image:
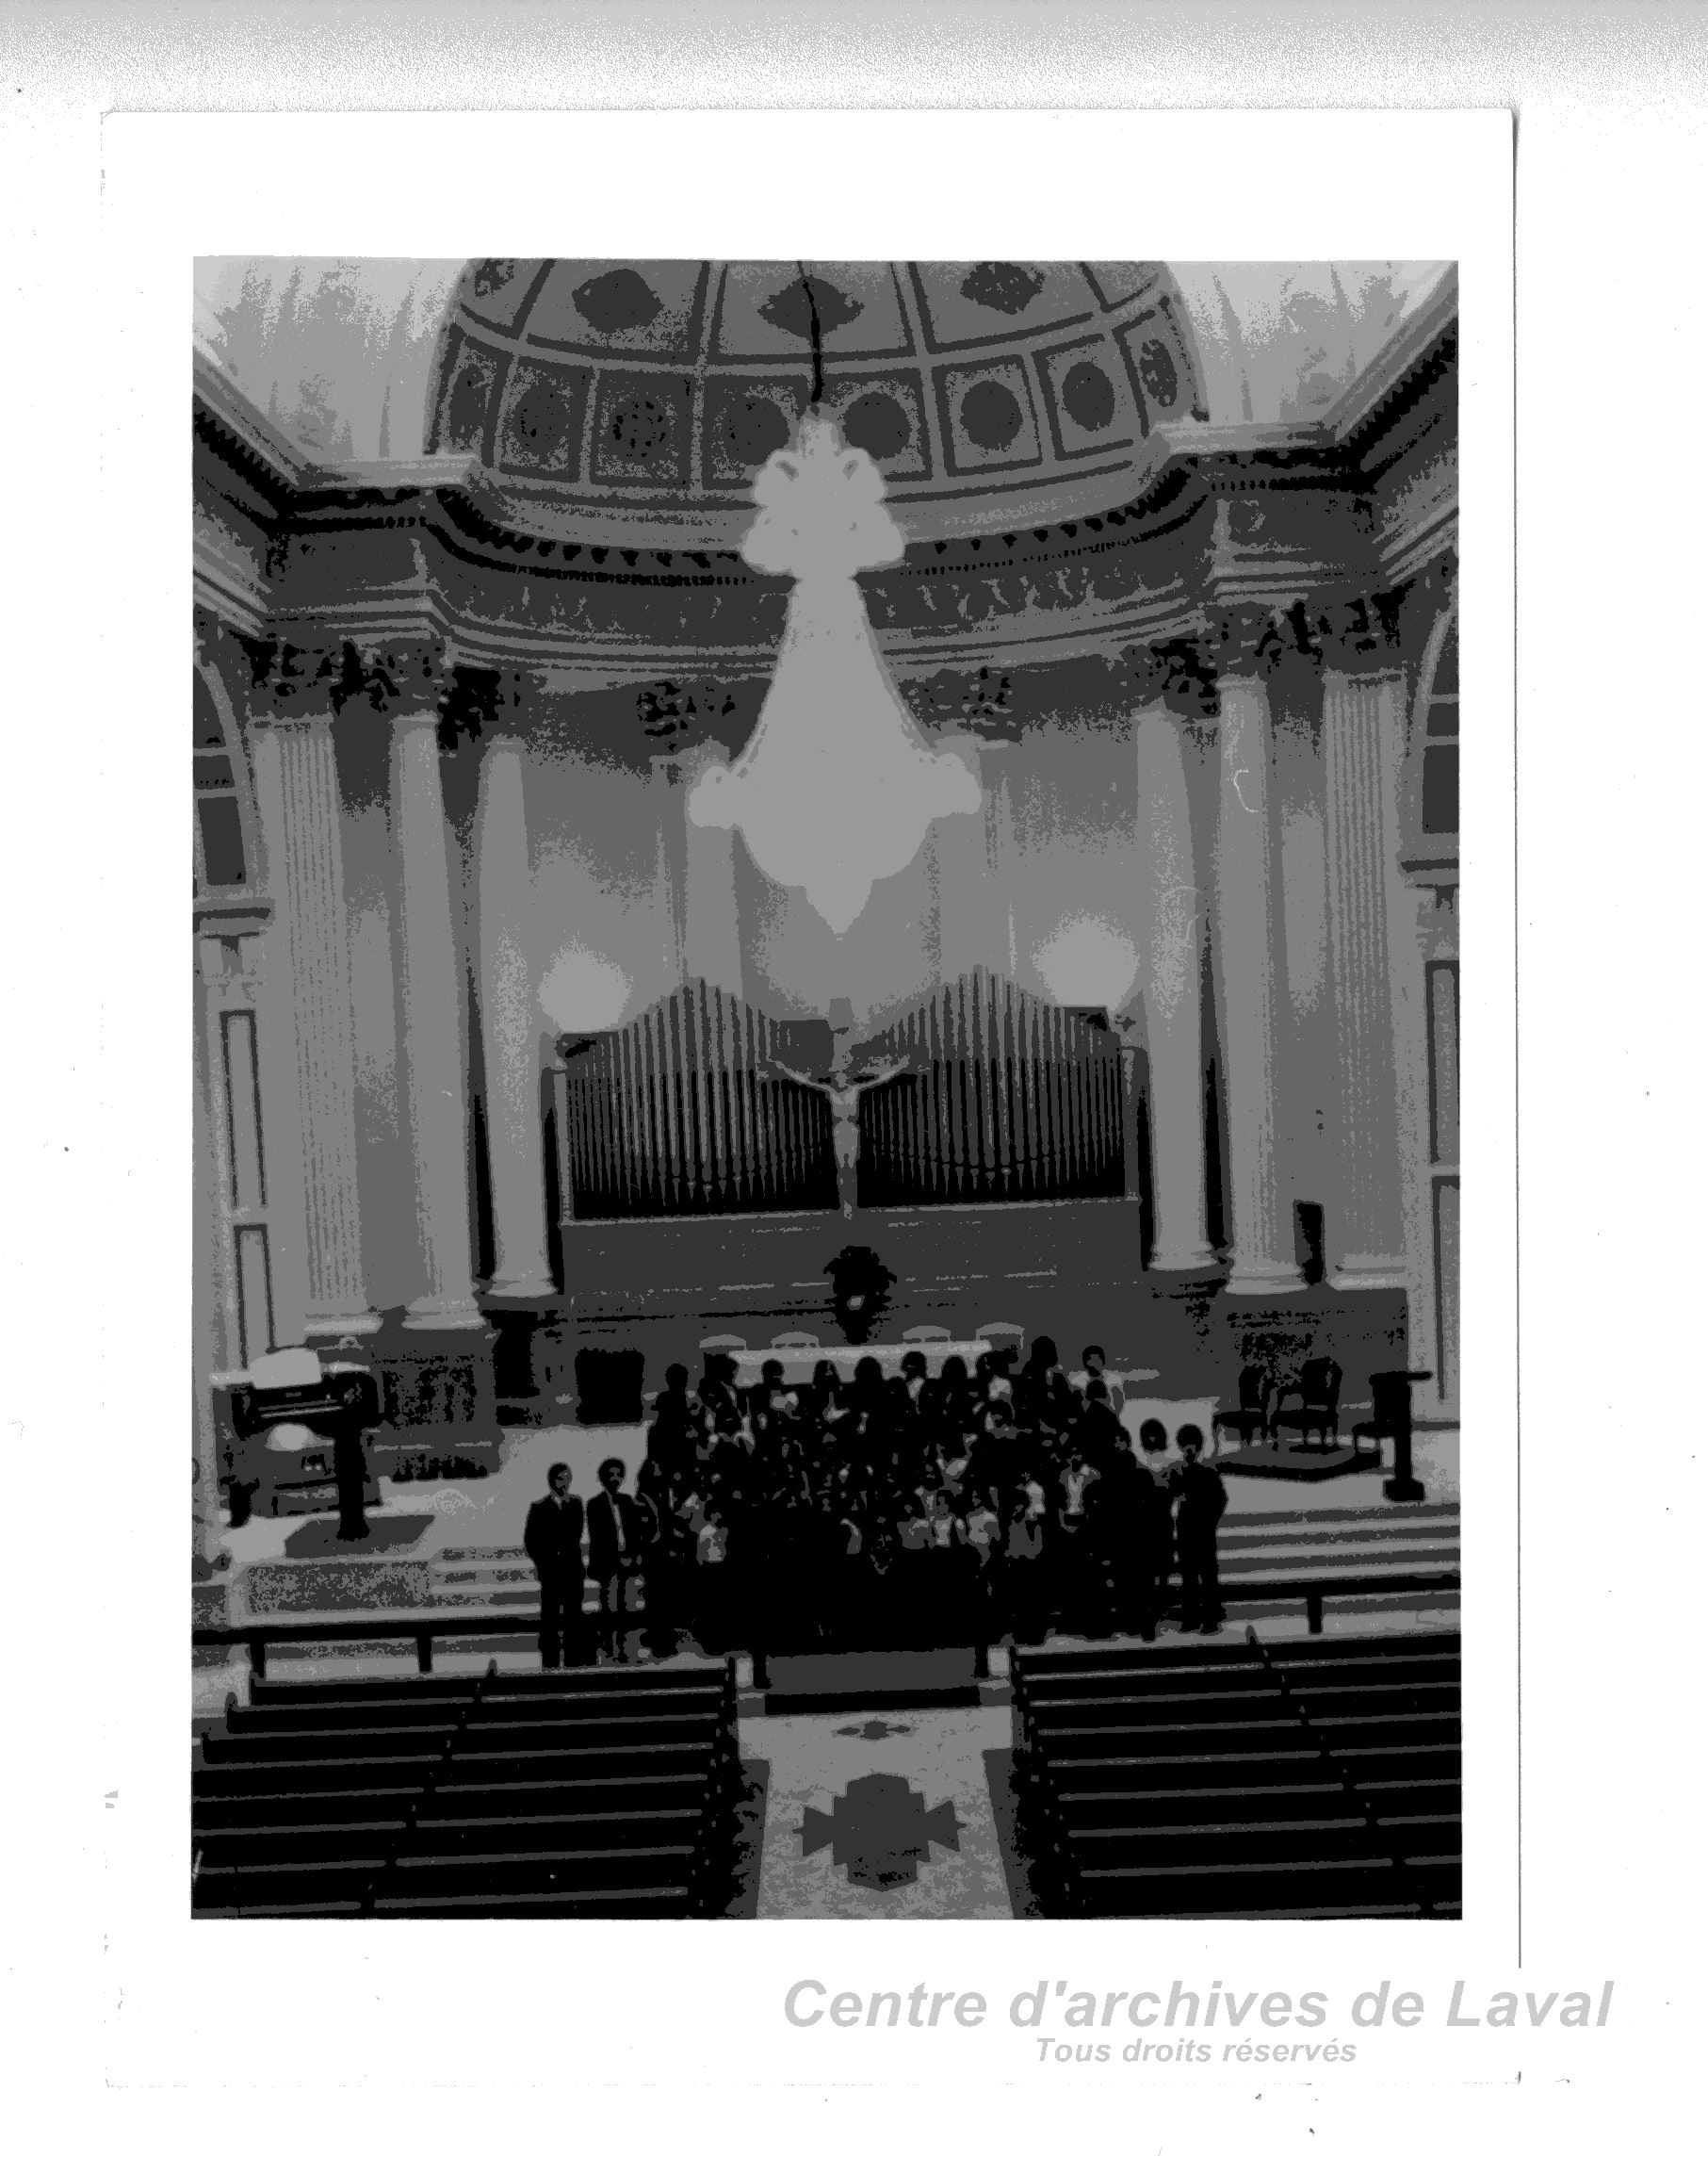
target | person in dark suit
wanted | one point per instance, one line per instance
(618, 1532)
(552, 1539)
(1201, 1502)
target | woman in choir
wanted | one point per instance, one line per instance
(1020, 1585)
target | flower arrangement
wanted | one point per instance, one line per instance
(860, 1284)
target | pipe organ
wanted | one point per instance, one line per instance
(1005, 1097)
(686, 1110)
(689, 1107)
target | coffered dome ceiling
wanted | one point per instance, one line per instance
(609, 401)
(988, 392)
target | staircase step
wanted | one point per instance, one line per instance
(481, 1598)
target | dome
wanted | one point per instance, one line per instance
(984, 392)
(633, 403)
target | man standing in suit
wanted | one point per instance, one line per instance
(552, 1539)
(618, 1532)
(1202, 1502)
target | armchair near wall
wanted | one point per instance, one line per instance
(1250, 1419)
(1317, 1390)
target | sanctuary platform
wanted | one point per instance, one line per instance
(1069, 1268)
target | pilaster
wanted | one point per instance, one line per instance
(1262, 1260)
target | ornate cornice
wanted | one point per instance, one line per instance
(1260, 521)
(1366, 423)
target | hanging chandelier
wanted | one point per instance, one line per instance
(838, 787)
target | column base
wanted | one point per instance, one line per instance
(1402, 1489)
(441, 1314)
(1190, 1258)
(529, 1288)
(332, 1325)
(1359, 1272)
(532, 1371)
(1264, 1277)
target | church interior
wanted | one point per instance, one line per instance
(837, 883)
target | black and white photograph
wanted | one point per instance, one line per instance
(828, 1089)
(853, 1064)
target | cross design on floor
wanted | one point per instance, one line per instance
(880, 1830)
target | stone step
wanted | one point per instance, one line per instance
(469, 1576)
(1355, 1557)
(481, 1599)
(1316, 1516)
(1245, 1528)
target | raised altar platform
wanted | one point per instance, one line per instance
(1070, 1269)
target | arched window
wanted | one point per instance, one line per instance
(1439, 784)
(221, 856)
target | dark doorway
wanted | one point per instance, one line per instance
(1216, 1208)
(1307, 1241)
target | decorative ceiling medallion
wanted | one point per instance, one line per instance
(748, 419)
(991, 416)
(1088, 396)
(1157, 374)
(885, 415)
(621, 300)
(877, 424)
(987, 414)
(1008, 288)
(642, 429)
(791, 311)
(541, 429)
(468, 398)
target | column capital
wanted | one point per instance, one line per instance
(673, 716)
(284, 680)
(981, 701)
(1256, 643)
(1359, 634)
(1179, 674)
(291, 679)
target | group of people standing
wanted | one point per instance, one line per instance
(907, 1511)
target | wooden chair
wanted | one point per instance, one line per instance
(921, 1333)
(794, 1340)
(1250, 1419)
(1318, 1393)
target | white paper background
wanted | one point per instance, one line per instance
(686, 2021)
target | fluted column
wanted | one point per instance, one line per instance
(511, 1032)
(1262, 1260)
(297, 794)
(433, 1027)
(1171, 918)
(1366, 1238)
(711, 927)
(970, 930)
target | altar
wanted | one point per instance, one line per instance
(800, 1361)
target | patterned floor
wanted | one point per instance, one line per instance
(887, 1815)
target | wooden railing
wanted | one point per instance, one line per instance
(426, 1627)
